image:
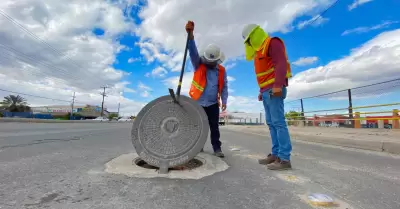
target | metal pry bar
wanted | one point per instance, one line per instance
(178, 90)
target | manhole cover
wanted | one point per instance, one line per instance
(166, 134)
(192, 164)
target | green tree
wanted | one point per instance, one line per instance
(293, 115)
(14, 103)
(112, 115)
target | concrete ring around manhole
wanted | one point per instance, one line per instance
(126, 164)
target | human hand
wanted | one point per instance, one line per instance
(260, 97)
(277, 92)
(189, 26)
(223, 107)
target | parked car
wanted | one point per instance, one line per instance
(124, 119)
(101, 119)
(222, 121)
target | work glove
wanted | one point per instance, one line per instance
(189, 29)
(189, 26)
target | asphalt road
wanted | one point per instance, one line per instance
(62, 166)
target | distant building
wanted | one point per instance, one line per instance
(330, 120)
(86, 111)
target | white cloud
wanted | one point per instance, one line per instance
(60, 53)
(162, 31)
(144, 89)
(357, 3)
(159, 72)
(375, 61)
(172, 82)
(315, 21)
(134, 59)
(230, 66)
(231, 79)
(302, 61)
(249, 104)
(145, 93)
(384, 24)
(142, 86)
(62, 95)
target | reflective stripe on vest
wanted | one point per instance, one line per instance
(272, 80)
(199, 82)
(264, 67)
(194, 83)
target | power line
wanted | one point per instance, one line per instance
(345, 90)
(28, 59)
(42, 41)
(14, 92)
(322, 13)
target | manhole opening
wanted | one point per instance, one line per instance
(192, 164)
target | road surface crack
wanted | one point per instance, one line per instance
(41, 141)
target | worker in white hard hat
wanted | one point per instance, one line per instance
(209, 85)
(272, 70)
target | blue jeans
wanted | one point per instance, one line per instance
(275, 117)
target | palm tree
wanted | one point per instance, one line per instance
(14, 103)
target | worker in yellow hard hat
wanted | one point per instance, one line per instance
(272, 70)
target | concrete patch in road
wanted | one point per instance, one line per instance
(251, 156)
(290, 177)
(338, 204)
(234, 148)
(305, 157)
(124, 165)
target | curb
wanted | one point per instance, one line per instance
(34, 120)
(379, 146)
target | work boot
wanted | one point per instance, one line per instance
(270, 159)
(280, 165)
(219, 154)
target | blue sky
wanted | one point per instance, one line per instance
(136, 47)
(324, 41)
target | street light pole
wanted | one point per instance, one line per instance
(72, 107)
(119, 105)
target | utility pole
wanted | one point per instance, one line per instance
(350, 108)
(72, 107)
(302, 112)
(102, 103)
(119, 105)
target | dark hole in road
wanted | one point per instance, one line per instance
(192, 164)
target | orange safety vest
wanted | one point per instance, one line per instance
(265, 68)
(200, 80)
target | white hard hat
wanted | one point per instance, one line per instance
(247, 30)
(212, 53)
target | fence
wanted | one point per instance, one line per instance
(238, 118)
(371, 106)
(25, 115)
